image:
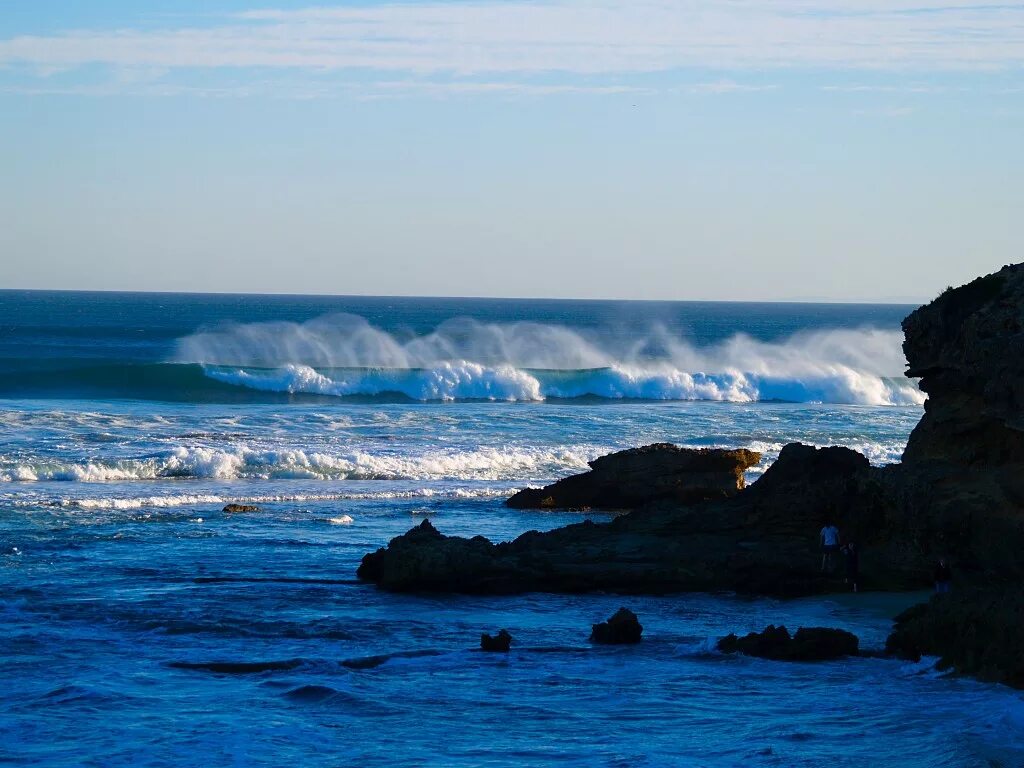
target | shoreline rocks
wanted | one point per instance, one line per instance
(977, 632)
(808, 644)
(638, 476)
(764, 540)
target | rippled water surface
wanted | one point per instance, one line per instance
(141, 625)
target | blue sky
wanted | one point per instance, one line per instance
(697, 149)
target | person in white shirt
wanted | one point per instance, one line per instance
(829, 545)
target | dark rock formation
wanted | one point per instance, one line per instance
(968, 348)
(623, 628)
(241, 508)
(500, 642)
(764, 540)
(977, 631)
(808, 644)
(638, 476)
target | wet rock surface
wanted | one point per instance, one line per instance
(764, 540)
(500, 642)
(978, 631)
(623, 628)
(808, 644)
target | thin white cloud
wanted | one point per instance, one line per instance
(581, 38)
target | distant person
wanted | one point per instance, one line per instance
(943, 576)
(852, 565)
(829, 545)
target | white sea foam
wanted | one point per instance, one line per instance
(342, 355)
(243, 462)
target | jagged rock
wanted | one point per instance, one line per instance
(623, 628)
(501, 642)
(631, 478)
(241, 508)
(808, 644)
(977, 631)
(764, 540)
(968, 348)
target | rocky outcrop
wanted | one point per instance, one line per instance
(623, 628)
(977, 631)
(764, 540)
(241, 508)
(808, 644)
(968, 348)
(959, 491)
(639, 476)
(498, 643)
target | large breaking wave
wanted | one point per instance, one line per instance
(345, 356)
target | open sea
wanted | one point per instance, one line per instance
(142, 626)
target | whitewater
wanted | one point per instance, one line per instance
(463, 359)
(128, 422)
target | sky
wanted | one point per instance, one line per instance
(842, 150)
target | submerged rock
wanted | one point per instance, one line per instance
(501, 642)
(808, 644)
(638, 476)
(241, 508)
(623, 628)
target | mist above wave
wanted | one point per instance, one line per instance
(344, 355)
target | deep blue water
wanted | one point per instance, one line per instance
(128, 421)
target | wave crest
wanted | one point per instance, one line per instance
(344, 356)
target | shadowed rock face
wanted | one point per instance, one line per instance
(808, 644)
(959, 492)
(638, 476)
(960, 488)
(764, 540)
(499, 643)
(968, 348)
(623, 628)
(975, 631)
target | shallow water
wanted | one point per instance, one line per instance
(143, 626)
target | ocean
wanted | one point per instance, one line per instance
(127, 421)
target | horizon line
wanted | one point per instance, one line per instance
(898, 301)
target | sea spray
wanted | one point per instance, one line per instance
(345, 356)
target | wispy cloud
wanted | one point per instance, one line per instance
(522, 38)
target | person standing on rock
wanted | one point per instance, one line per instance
(829, 545)
(943, 576)
(852, 565)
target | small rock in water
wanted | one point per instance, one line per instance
(500, 642)
(241, 508)
(621, 629)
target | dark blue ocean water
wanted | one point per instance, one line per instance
(128, 421)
